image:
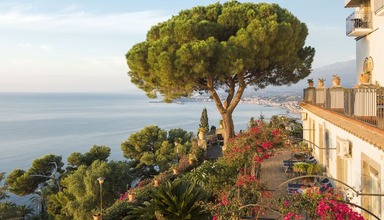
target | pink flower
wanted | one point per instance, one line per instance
(257, 159)
(224, 199)
(267, 145)
(276, 132)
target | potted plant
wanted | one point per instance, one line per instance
(155, 181)
(202, 133)
(192, 158)
(221, 123)
(310, 82)
(97, 215)
(314, 169)
(300, 167)
(174, 169)
(321, 83)
(131, 194)
(336, 80)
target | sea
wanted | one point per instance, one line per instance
(35, 124)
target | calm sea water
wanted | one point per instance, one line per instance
(33, 125)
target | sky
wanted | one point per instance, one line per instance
(80, 45)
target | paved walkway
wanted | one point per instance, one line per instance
(272, 174)
(214, 151)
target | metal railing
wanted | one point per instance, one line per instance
(363, 104)
(358, 19)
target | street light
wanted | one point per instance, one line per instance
(101, 181)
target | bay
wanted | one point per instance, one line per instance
(35, 124)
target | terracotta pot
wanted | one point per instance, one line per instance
(365, 78)
(310, 84)
(175, 171)
(336, 81)
(131, 197)
(97, 217)
(202, 135)
(156, 183)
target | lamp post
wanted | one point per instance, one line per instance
(101, 181)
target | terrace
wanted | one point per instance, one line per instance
(364, 104)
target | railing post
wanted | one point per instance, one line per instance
(320, 96)
(380, 108)
(348, 102)
(337, 99)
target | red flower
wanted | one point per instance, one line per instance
(276, 132)
(257, 159)
(266, 145)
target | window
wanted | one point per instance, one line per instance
(371, 185)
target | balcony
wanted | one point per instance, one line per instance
(359, 23)
(352, 3)
(362, 104)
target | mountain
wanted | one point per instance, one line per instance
(346, 70)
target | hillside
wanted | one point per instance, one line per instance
(346, 70)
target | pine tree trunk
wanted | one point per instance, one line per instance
(228, 127)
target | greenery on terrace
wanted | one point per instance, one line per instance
(227, 188)
(228, 47)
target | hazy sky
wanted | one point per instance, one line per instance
(80, 45)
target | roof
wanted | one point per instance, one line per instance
(359, 129)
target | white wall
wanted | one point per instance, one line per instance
(359, 147)
(372, 45)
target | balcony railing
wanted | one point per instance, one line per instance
(359, 23)
(379, 7)
(363, 104)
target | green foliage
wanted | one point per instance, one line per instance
(46, 164)
(82, 196)
(143, 144)
(290, 126)
(213, 176)
(23, 210)
(7, 210)
(180, 136)
(3, 188)
(191, 52)
(40, 199)
(151, 146)
(22, 182)
(179, 200)
(204, 122)
(301, 167)
(77, 159)
(118, 210)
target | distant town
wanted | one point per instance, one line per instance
(290, 102)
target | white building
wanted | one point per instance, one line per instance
(346, 125)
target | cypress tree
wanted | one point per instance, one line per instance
(204, 120)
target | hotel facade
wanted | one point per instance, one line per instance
(345, 126)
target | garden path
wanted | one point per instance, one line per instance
(272, 174)
(214, 151)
